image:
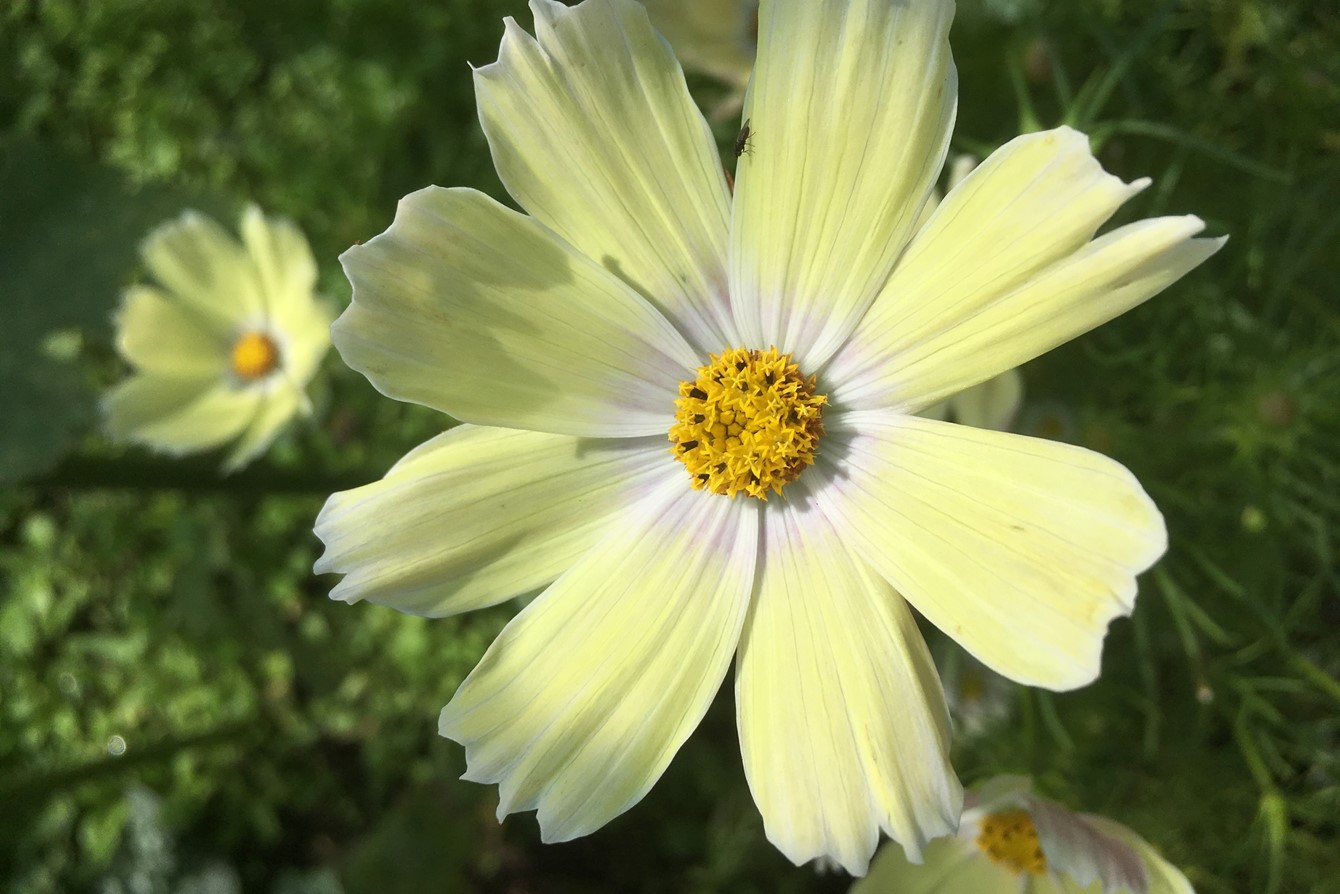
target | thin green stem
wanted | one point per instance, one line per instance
(89, 473)
(31, 787)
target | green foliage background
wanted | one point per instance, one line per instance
(180, 705)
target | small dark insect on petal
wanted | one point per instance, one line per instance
(742, 140)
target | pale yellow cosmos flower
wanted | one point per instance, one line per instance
(223, 343)
(783, 337)
(1010, 841)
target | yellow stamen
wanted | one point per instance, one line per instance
(1010, 840)
(255, 355)
(750, 422)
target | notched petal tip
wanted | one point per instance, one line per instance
(515, 40)
(580, 704)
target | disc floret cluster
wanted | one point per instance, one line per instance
(749, 423)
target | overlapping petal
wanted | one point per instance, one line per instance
(1099, 282)
(1004, 271)
(480, 312)
(1022, 550)
(851, 107)
(1162, 876)
(594, 133)
(479, 515)
(843, 725)
(578, 706)
(206, 268)
(162, 336)
(1084, 852)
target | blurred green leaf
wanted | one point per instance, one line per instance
(429, 834)
(68, 239)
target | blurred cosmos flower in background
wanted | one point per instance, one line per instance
(224, 343)
(979, 699)
(784, 337)
(1011, 841)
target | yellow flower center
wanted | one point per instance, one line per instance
(1010, 840)
(255, 355)
(749, 422)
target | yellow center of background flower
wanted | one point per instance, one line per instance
(255, 355)
(749, 422)
(1010, 840)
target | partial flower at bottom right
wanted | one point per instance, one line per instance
(1010, 841)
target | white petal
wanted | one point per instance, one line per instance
(482, 313)
(284, 264)
(578, 706)
(1103, 280)
(279, 405)
(843, 725)
(850, 108)
(1022, 550)
(170, 338)
(1082, 852)
(479, 515)
(304, 339)
(1004, 271)
(179, 416)
(1164, 877)
(593, 132)
(952, 866)
(205, 267)
(1007, 791)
